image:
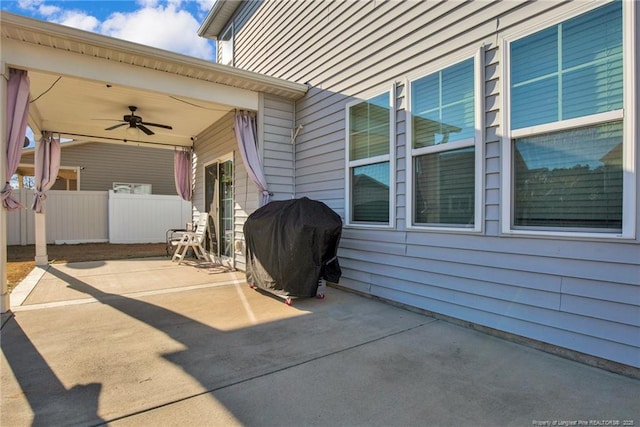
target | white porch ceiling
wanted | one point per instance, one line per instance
(82, 83)
(83, 109)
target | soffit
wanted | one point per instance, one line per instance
(55, 36)
(218, 17)
(82, 83)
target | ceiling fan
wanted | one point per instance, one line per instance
(136, 122)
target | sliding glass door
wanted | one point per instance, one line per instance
(219, 203)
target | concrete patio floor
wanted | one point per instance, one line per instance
(148, 342)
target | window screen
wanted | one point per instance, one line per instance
(571, 178)
(369, 141)
(442, 106)
(443, 113)
(571, 70)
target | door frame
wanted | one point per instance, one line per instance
(215, 208)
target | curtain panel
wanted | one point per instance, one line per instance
(183, 172)
(47, 165)
(246, 136)
(17, 115)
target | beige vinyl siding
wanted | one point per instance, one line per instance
(320, 148)
(401, 164)
(577, 294)
(103, 164)
(360, 44)
(216, 143)
(491, 142)
(275, 123)
(277, 149)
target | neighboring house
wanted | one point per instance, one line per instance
(93, 214)
(483, 155)
(98, 166)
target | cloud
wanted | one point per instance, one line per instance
(165, 25)
(38, 6)
(29, 4)
(78, 20)
(205, 5)
(147, 3)
(48, 10)
(167, 28)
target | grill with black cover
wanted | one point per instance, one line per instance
(291, 245)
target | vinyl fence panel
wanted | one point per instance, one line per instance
(76, 216)
(142, 218)
(98, 216)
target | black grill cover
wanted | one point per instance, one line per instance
(292, 244)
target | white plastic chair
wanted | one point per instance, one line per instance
(193, 240)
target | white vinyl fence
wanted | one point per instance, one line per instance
(99, 216)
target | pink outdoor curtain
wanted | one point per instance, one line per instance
(17, 115)
(47, 165)
(246, 131)
(183, 172)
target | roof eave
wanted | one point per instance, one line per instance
(217, 18)
(251, 79)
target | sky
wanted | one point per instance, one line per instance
(166, 24)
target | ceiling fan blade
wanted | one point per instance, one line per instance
(144, 129)
(116, 126)
(157, 125)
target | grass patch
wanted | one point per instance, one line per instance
(20, 259)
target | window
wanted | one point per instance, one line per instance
(369, 165)
(131, 188)
(225, 47)
(567, 126)
(444, 134)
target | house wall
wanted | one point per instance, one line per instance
(216, 143)
(580, 294)
(276, 126)
(275, 123)
(103, 164)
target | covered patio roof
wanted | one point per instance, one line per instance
(83, 83)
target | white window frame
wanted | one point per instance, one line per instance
(219, 159)
(117, 187)
(224, 44)
(372, 160)
(629, 117)
(477, 142)
(76, 169)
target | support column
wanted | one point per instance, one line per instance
(41, 240)
(40, 229)
(4, 292)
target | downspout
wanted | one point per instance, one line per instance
(294, 135)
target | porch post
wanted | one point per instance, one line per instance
(40, 228)
(4, 291)
(41, 239)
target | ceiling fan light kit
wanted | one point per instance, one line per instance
(132, 131)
